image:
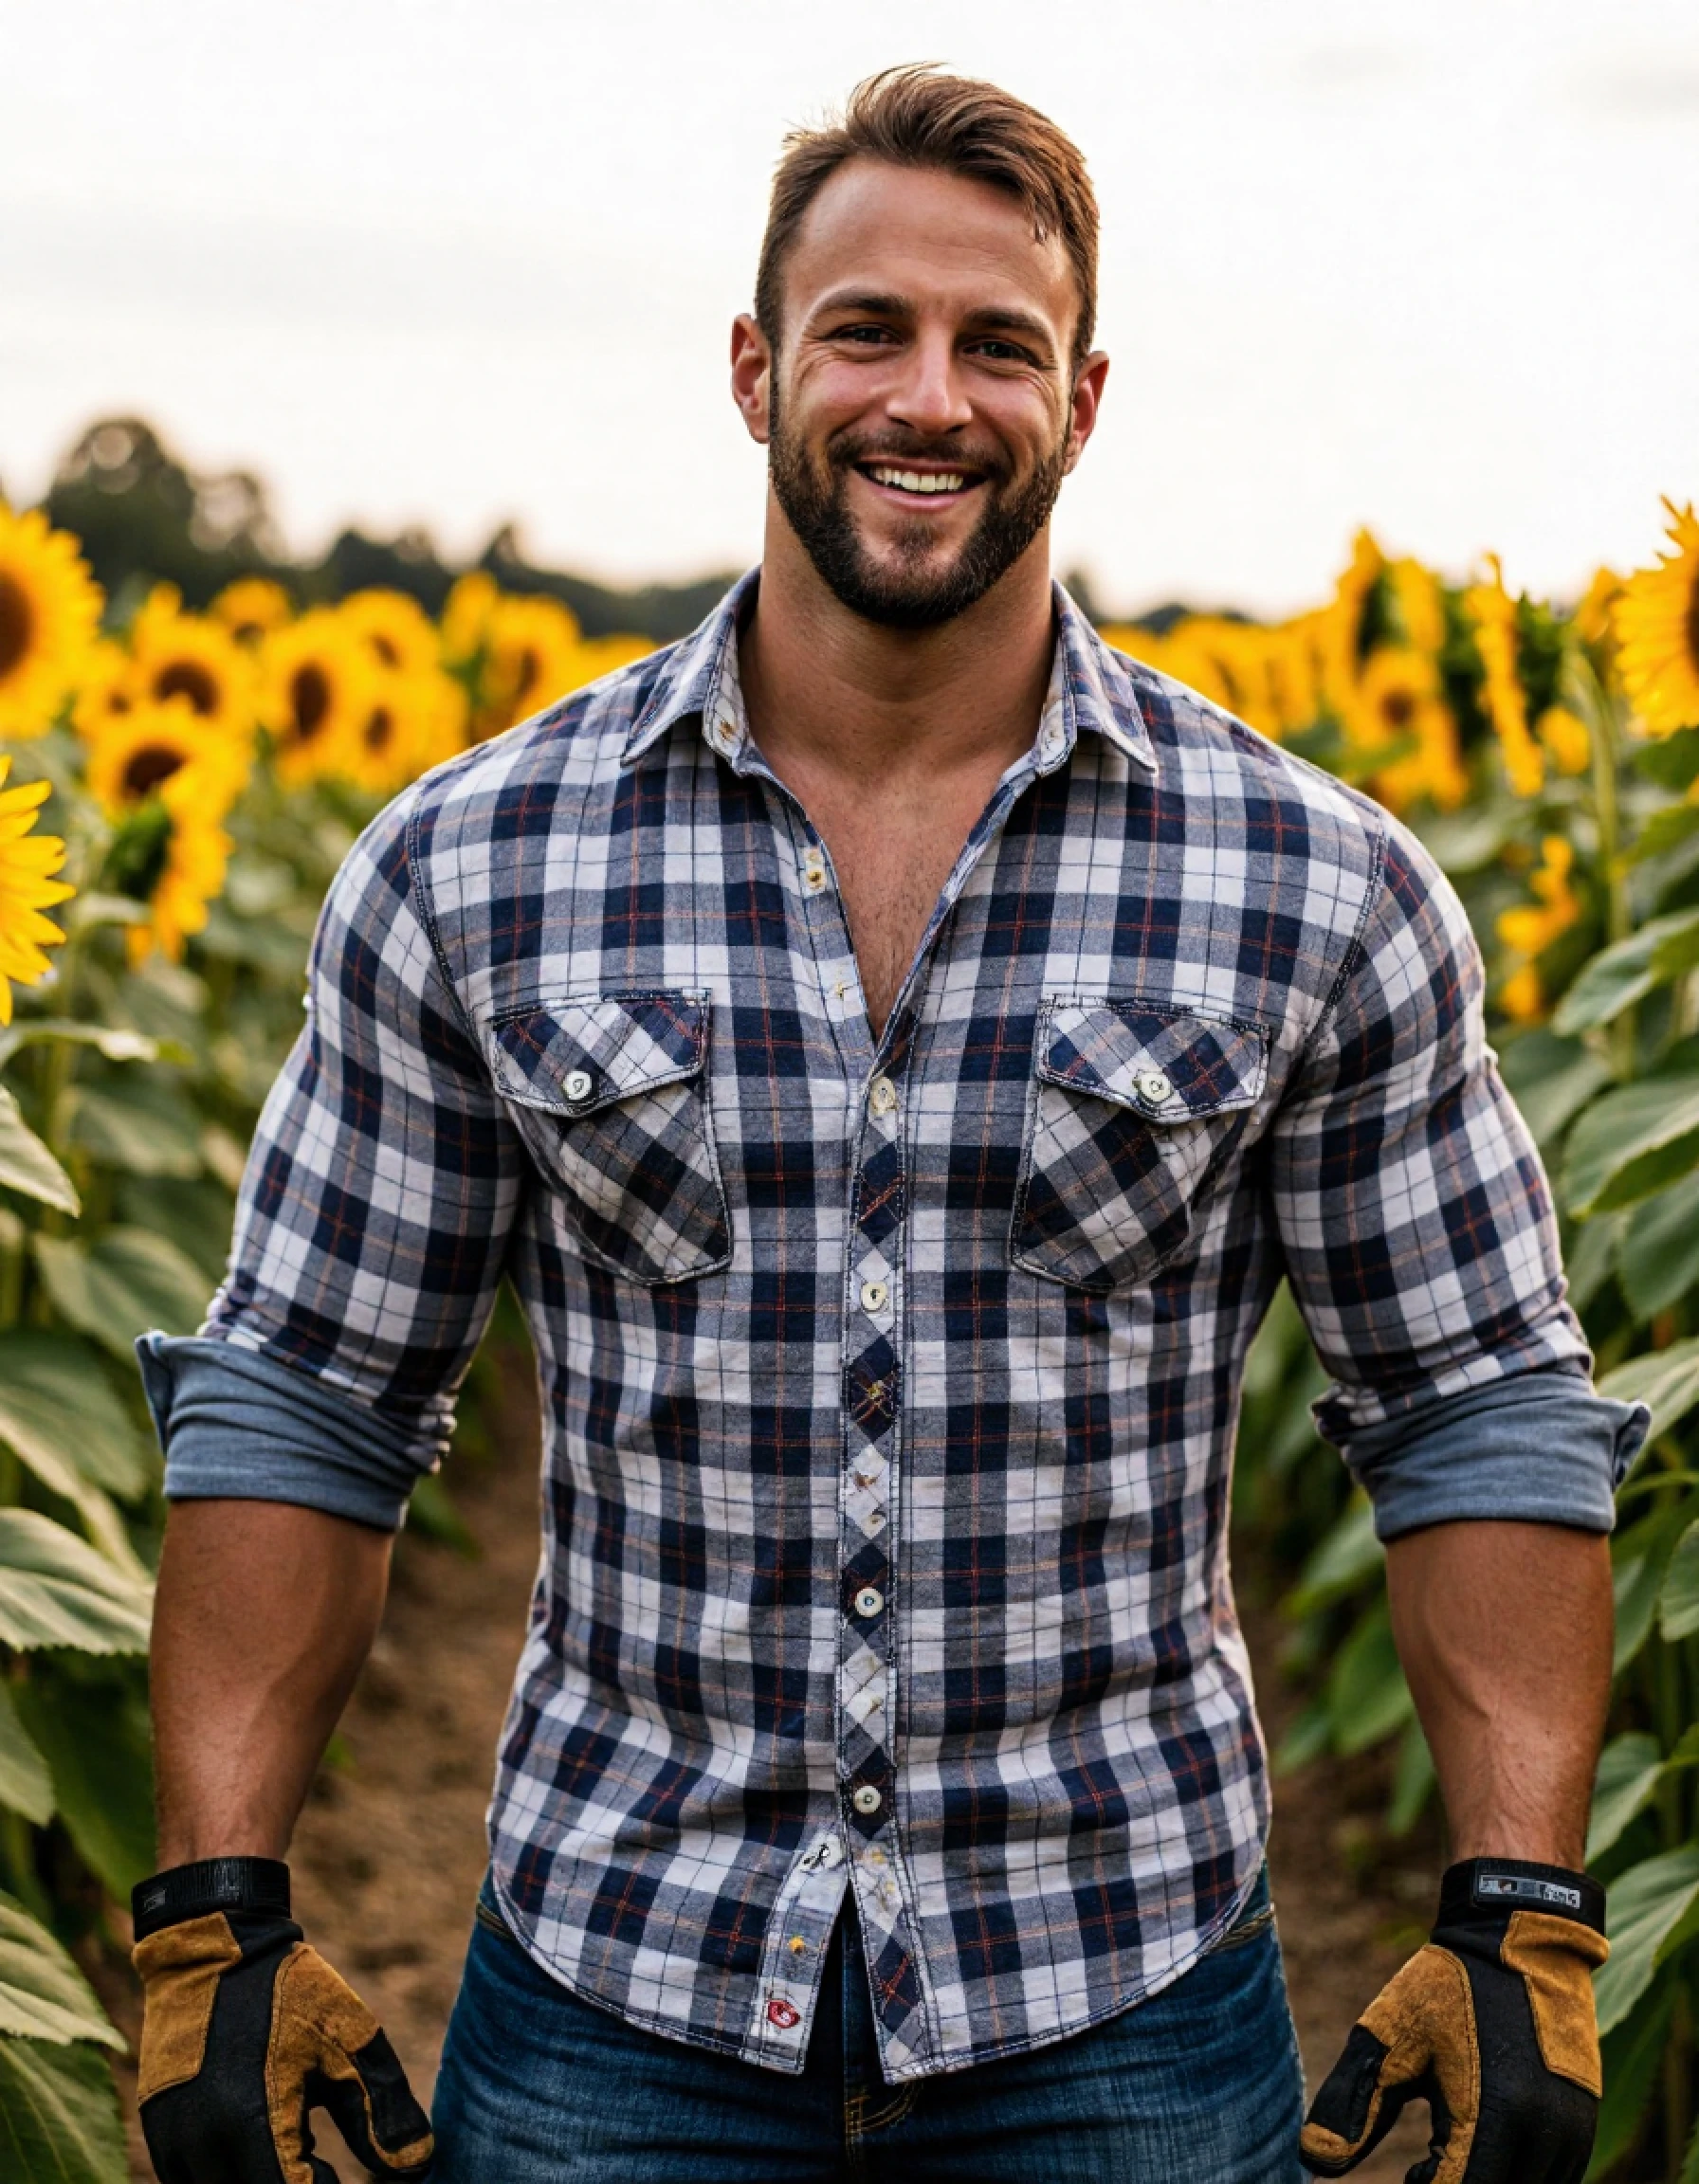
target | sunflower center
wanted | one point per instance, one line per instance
(17, 623)
(380, 726)
(385, 650)
(1397, 708)
(530, 672)
(149, 765)
(188, 679)
(309, 701)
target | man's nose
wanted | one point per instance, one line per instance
(929, 395)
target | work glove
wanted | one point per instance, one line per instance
(1493, 2025)
(247, 2028)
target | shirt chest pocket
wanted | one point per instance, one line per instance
(1135, 1112)
(608, 1092)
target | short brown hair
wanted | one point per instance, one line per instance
(917, 117)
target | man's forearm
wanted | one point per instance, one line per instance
(264, 1616)
(1504, 1630)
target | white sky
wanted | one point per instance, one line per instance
(1434, 266)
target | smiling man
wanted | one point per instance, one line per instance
(895, 1045)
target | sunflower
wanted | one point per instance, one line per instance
(399, 632)
(135, 751)
(414, 722)
(1564, 739)
(1173, 653)
(1529, 929)
(1593, 609)
(195, 857)
(1396, 700)
(177, 655)
(1494, 613)
(28, 864)
(317, 684)
(531, 650)
(1419, 603)
(1342, 627)
(1656, 621)
(107, 690)
(1293, 668)
(50, 610)
(252, 608)
(466, 616)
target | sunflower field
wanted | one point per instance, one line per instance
(177, 790)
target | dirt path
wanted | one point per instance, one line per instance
(391, 1848)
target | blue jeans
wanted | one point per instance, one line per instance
(1200, 2085)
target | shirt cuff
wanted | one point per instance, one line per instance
(1540, 1447)
(234, 1425)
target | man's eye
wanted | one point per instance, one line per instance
(866, 333)
(1002, 352)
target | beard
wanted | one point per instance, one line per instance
(924, 588)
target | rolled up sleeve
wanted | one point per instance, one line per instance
(371, 1228)
(1421, 1244)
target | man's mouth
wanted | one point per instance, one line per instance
(921, 485)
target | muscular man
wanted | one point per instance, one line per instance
(895, 1045)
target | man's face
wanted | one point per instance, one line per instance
(921, 410)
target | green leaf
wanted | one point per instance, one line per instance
(1666, 1381)
(1345, 1560)
(122, 1285)
(142, 1125)
(1632, 2055)
(1645, 1906)
(43, 1995)
(1620, 975)
(1639, 1557)
(1672, 761)
(1367, 1696)
(26, 1166)
(1690, 2161)
(58, 2116)
(1629, 1768)
(26, 1784)
(56, 1591)
(1678, 1601)
(95, 1736)
(109, 1040)
(1665, 831)
(1591, 1258)
(1634, 1141)
(196, 1217)
(1657, 1257)
(56, 1403)
(1549, 1105)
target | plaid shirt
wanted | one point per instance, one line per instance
(890, 1386)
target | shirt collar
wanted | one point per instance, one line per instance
(1090, 688)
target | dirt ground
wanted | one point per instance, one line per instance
(389, 1851)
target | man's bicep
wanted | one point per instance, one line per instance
(1413, 1207)
(383, 1179)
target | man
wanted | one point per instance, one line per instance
(895, 1045)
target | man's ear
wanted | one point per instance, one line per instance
(1088, 396)
(752, 377)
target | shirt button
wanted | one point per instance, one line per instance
(725, 736)
(814, 872)
(579, 1084)
(867, 1799)
(1153, 1086)
(882, 1099)
(868, 1601)
(782, 2013)
(874, 1295)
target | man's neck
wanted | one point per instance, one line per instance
(829, 693)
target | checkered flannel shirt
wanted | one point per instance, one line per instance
(889, 1384)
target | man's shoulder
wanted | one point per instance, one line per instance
(526, 780)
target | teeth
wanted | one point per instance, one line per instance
(919, 481)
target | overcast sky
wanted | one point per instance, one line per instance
(1433, 266)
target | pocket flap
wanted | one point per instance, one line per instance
(576, 1054)
(1169, 1066)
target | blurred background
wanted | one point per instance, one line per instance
(441, 268)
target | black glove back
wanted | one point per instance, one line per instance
(1493, 2025)
(247, 2029)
